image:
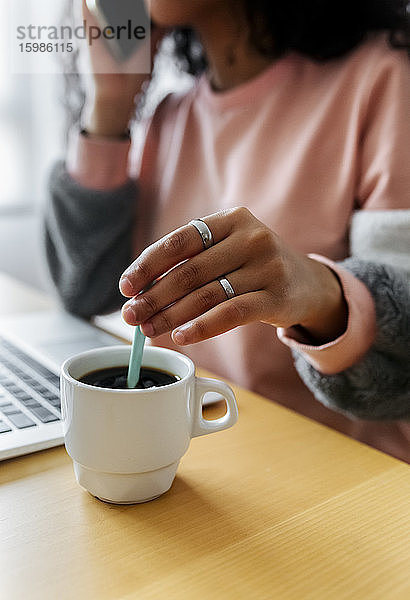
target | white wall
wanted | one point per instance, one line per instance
(40, 134)
(21, 252)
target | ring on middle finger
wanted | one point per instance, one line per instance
(204, 231)
(228, 289)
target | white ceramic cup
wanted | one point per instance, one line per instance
(126, 444)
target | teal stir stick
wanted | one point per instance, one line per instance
(137, 350)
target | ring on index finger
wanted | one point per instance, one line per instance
(204, 231)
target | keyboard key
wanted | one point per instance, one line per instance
(36, 385)
(54, 401)
(49, 395)
(30, 404)
(9, 409)
(4, 428)
(20, 394)
(9, 386)
(42, 390)
(21, 421)
(43, 414)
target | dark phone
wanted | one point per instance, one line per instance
(125, 25)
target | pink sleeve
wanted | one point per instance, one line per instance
(98, 163)
(342, 353)
(384, 171)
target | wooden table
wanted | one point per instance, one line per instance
(278, 507)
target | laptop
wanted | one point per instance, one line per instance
(33, 347)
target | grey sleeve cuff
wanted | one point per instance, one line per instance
(88, 242)
(378, 386)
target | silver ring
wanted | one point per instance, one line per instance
(204, 231)
(228, 289)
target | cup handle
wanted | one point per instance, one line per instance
(204, 426)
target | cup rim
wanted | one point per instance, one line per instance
(64, 373)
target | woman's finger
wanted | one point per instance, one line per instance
(171, 250)
(190, 307)
(224, 317)
(193, 274)
(199, 302)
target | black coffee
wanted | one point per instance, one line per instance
(115, 378)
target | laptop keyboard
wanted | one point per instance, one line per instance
(29, 392)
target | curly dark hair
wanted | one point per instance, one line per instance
(317, 29)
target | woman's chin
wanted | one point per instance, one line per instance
(172, 13)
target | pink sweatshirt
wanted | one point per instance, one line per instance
(303, 146)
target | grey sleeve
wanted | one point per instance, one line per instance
(88, 242)
(378, 386)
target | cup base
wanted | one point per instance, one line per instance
(127, 503)
(126, 488)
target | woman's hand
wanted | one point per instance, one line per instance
(111, 102)
(272, 283)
